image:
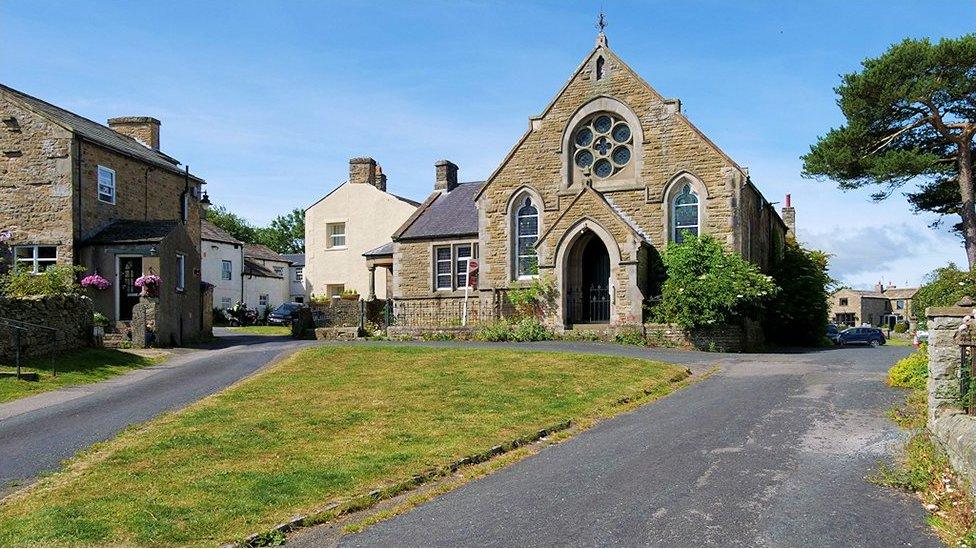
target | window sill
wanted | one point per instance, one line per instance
(336, 248)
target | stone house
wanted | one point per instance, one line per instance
(880, 306)
(76, 192)
(265, 277)
(296, 277)
(354, 218)
(222, 259)
(601, 182)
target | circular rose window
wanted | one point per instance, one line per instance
(603, 145)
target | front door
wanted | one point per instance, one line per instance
(130, 268)
(596, 282)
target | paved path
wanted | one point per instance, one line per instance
(771, 451)
(38, 432)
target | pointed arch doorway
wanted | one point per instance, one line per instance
(587, 280)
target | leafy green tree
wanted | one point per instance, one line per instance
(797, 314)
(911, 117)
(708, 285)
(286, 234)
(237, 226)
(943, 287)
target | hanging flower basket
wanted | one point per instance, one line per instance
(95, 281)
(149, 285)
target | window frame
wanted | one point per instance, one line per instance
(843, 302)
(266, 298)
(330, 235)
(675, 228)
(110, 186)
(454, 258)
(299, 274)
(180, 272)
(226, 269)
(524, 203)
(35, 260)
(279, 270)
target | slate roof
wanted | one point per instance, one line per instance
(209, 231)
(900, 293)
(260, 251)
(446, 214)
(133, 232)
(95, 132)
(297, 260)
(252, 268)
(380, 251)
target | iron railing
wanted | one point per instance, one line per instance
(447, 313)
(967, 392)
(19, 328)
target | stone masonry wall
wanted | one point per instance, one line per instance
(71, 316)
(953, 428)
(35, 179)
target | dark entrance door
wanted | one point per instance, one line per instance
(596, 282)
(130, 268)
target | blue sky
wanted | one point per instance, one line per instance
(268, 101)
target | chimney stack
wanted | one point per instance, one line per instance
(446, 175)
(144, 129)
(878, 288)
(364, 169)
(789, 217)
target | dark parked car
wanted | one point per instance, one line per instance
(284, 313)
(833, 333)
(862, 336)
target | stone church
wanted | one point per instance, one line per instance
(604, 179)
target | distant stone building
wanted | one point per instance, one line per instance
(354, 218)
(222, 259)
(76, 192)
(608, 176)
(881, 306)
(296, 277)
(266, 275)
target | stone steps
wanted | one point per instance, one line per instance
(115, 341)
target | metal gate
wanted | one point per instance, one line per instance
(599, 304)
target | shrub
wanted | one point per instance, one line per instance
(533, 300)
(631, 336)
(98, 319)
(901, 327)
(942, 287)
(797, 313)
(529, 329)
(911, 372)
(494, 331)
(56, 280)
(708, 285)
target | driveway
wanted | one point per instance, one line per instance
(38, 432)
(771, 451)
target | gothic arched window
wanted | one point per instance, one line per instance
(684, 215)
(526, 233)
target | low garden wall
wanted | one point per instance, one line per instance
(336, 312)
(727, 338)
(69, 316)
(952, 427)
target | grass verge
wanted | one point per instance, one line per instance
(924, 468)
(326, 424)
(75, 368)
(262, 330)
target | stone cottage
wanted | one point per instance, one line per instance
(76, 192)
(881, 306)
(604, 179)
(265, 278)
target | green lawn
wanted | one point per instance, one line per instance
(75, 368)
(327, 423)
(262, 330)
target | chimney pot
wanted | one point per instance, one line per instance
(144, 129)
(446, 175)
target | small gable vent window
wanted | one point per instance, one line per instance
(599, 68)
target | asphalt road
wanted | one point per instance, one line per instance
(56, 425)
(771, 451)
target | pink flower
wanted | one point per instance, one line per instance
(95, 281)
(5, 236)
(148, 280)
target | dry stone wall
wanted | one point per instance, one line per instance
(69, 316)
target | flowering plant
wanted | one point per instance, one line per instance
(149, 285)
(95, 281)
(5, 236)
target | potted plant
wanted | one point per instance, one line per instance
(149, 284)
(95, 281)
(350, 295)
(100, 322)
